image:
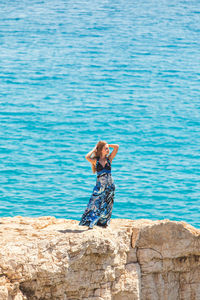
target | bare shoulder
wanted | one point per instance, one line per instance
(110, 158)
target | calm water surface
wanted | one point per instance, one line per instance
(75, 72)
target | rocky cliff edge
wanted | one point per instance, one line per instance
(48, 258)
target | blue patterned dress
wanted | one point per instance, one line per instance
(99, 208)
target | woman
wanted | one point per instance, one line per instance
(99, 208)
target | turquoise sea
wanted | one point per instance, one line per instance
(76, 72)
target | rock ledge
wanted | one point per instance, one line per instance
(48, 258)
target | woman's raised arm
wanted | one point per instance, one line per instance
(114, 152)
(88, 156)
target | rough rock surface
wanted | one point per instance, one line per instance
(48, 258)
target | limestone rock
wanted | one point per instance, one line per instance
(48, 258)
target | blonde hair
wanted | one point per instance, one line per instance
(97, 153)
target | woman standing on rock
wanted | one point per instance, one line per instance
(99, 208)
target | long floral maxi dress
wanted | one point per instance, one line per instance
(99, 208)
